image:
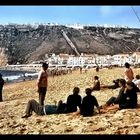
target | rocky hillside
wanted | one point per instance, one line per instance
(26, 43)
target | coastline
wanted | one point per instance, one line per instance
(15, 76)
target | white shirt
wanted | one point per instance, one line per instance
(137, 83)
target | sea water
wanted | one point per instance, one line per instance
(15, 75)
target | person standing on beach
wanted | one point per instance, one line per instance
(1, 86)
(97, 68)
(80, 70)
(42, 83)
(128, 73)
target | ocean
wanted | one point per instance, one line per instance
(16, 76)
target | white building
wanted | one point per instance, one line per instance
(103, 60)
(121, 59)
(82, 60)
(75, 26)
(53, 59)
(75, 60)
(63, 58)
(136, 57)
(93, 59)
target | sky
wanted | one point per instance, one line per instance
(111, 15)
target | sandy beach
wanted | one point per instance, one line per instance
(17, 95)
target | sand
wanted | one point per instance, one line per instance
(17, 95)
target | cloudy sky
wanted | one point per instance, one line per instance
(111, 15)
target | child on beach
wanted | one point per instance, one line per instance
(96, 84)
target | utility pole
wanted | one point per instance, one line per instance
(137, 18)
(135, 13)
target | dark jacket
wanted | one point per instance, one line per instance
(116, 100)
(129, 99)
(87, 106)
(96, 86)
(120, 96)
(73, 101)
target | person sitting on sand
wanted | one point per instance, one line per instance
(33, 105)
(73, 101)
(129, 98)
(113, 86)
(136, 81)
(96, 85)
(116, 100)
(88, 103)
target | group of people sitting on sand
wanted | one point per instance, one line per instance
(74, 102)
(127, 98)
